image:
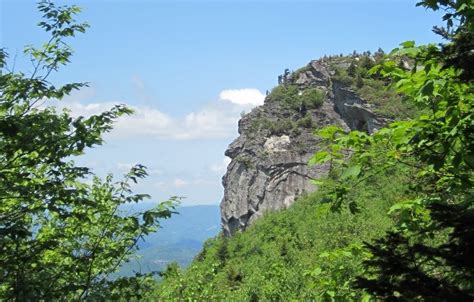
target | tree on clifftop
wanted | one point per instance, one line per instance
(61, 228)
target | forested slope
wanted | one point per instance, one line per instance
(312, 250)
(394, 218)
(307, 252)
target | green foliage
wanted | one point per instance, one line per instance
(312, 98)
(359, 81)
(342, 75)
(387, 102)
(62, 230)
(425, 255)
(275, 127)
(306, 121)
(304, 253)
(284, 94)
(372, 87)
(291, 97)
(367, 62)
(284, 126)
(335, 271)
(247, 162)
(351, 70)
(394, 219)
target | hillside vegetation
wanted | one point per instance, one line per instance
(393, 219)
(314, 250)
(307, 252)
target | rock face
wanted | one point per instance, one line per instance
(269, 167)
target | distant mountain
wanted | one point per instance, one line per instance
(179, 239)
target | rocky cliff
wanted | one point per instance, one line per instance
(269, 167)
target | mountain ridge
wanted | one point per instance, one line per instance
(269, 167)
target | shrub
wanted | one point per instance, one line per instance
(290, 96)
(305, 253)
(284, 94)
(247, 162)
(342, 76)
(305, 122)
(281, 127)
(63, 230)
(312, 98)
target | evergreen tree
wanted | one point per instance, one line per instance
(351, 70)
(379, 54)
(359, 81)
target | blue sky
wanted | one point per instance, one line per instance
(189, 68)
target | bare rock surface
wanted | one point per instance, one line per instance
(270, 170)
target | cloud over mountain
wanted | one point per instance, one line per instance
(217, 120)
(245, 96)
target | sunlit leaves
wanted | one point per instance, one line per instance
(351, 172)
(437, 149)
(320, 157)
(62, 229)
(336, 271)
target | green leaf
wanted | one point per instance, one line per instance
(428, 88)
(317, 182)
(320, 157)
(329, 132)
(351, 172)
(316, 272)
(407, 44)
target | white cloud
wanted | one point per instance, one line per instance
(217, 120)
(208, 123)
(78, 109)
(179, 183)
(245, 96)
(220, 167)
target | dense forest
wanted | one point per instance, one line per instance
(392, 220)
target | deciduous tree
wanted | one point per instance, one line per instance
(428, 256)
(62, 231)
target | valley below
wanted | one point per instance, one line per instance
(179, 239)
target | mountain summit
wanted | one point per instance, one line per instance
(269, 167)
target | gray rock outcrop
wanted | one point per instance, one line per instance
(269, 167)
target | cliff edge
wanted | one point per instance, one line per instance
(269, 167)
